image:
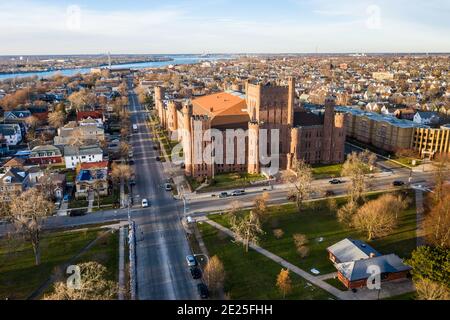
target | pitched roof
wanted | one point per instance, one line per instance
(14, 175)
(350, 250)
(82, 151)
(94, 165)
(14, 162)
(357, 270)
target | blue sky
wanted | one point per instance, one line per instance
(198, 26)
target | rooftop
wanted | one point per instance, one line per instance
(220, 104)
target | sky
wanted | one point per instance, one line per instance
(223, 26)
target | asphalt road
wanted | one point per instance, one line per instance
(162, 246)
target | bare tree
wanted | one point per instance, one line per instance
(440, 176)
(301, 244)
(430, 290)
(356, 167)
(26, 211)
(214, 274)
(378, 217)
(300, 176)
(97, 186)
(437, 221)
(94, 285)
(56, 119)
(346, 212)
(260, 206)
(247, 230)
(284, 282)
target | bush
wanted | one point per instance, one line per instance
(301, 242)
(278, 233)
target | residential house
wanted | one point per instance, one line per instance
(73, 155)
(14, 181)
(11, 132)
(14, 163)
(34, 174)
(86, 133)
(56, 182)
(426, 117)
(46, 154)
(353, 257)
(93, 179)
(4, 148)
(16, 116)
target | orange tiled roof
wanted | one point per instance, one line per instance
(91, 165)
(219, 104)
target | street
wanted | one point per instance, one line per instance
(162, 246)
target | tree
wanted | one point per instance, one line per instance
(214, 274)
(27, 211)
(260, 205)
(430, 290)
(378, 217)
(124, 149)
(437, 221)
(432, 263)
(300, 176)
(94, 285)
(301, 244)
(97, 186)
(247, 229)
(346, 212)
(355, 167)
(56, 119)
(284, 283)
(440, 176)
(32, 122)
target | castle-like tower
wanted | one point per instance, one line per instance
(333, 133)
(272, 107)
(159, 104)
(253, 147)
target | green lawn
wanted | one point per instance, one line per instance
(19, 276)
(322, 229)
(408, 161)
(232, 181)
(337, 284)
(323, 171)
(252, 275)
(81, 203)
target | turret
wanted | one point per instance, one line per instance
(253, 147)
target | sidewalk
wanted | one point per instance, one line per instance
(419, 218)
(91, 198)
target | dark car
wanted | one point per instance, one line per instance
(155, 148)
(196, 273)
(77, 213)
(158, 158)
(335, 181)
(203, 291)
(223, 194)
(329, 193)
(398, 183)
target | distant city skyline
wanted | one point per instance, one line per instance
(223, 26)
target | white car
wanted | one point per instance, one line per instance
(145, 203)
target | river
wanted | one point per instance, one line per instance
(177, 60)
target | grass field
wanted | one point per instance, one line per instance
(322, 229)
(19, 276)
(323, 171)
(251, 275)
(232, 181)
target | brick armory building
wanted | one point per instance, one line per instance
(315, 138)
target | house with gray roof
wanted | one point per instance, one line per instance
(73, 155)
(354, 261)
(11, 132)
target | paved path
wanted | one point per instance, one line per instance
(419, 216)
(91, 198)
(122, 285)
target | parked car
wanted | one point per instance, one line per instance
(66, 198)
(398, 183)
(191, 261)
(236, 193)
(223, 194)
(145, 203)
(168, 187)
(78, 212)
(335, 181)
(196, 273)
(158, 158)
(203, 291)
(329, 193)
(155, 148)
